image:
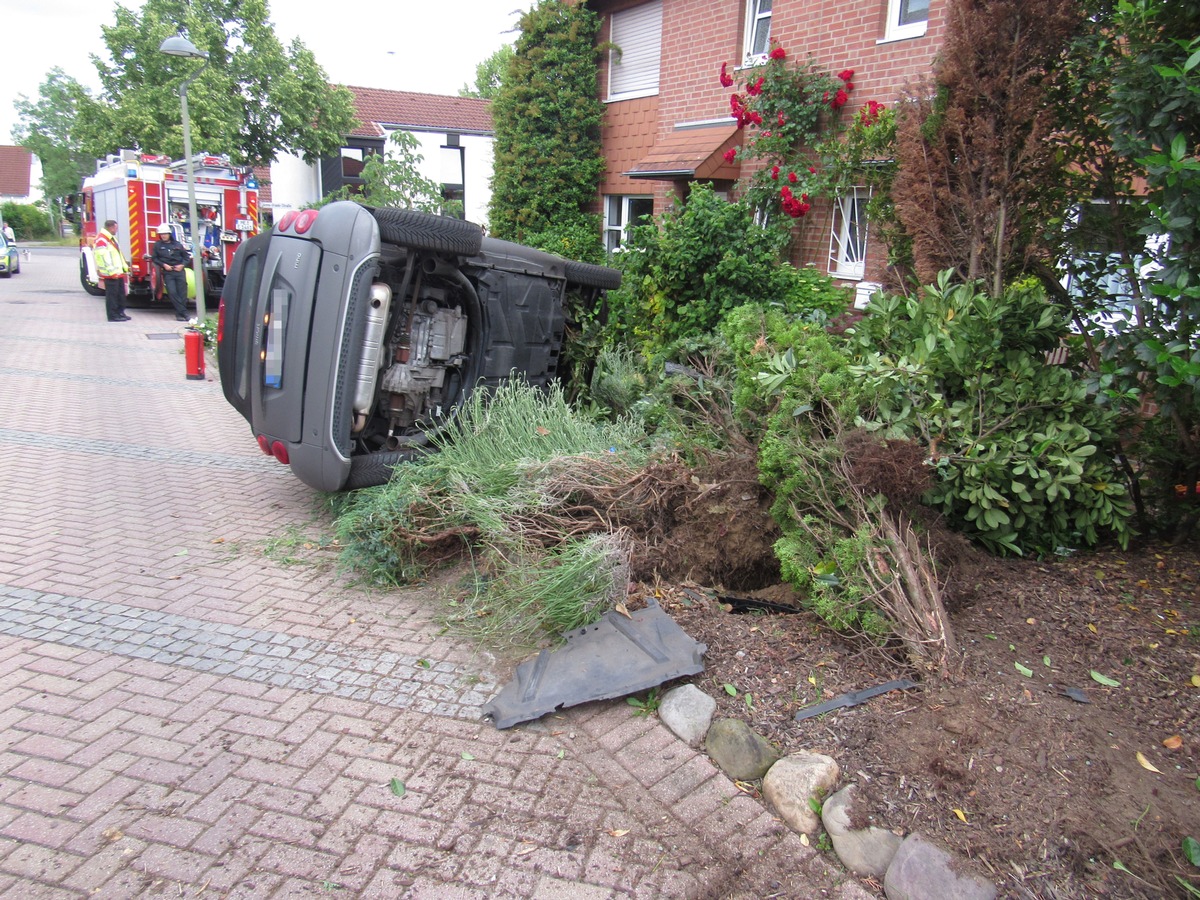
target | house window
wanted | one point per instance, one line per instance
(453, 161)
(633, 62)
(906, 19)
(620, 211)
(848, 239)
(758, 31)
(352, 162)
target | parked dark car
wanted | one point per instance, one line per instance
(348, 335)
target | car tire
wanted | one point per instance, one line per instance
(372, 469)
(92, 289)
(593, 276)
(427, 231)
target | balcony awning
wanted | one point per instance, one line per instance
(691, 152)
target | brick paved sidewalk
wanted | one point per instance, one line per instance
(193, 703)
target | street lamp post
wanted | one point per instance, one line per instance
(181, 46)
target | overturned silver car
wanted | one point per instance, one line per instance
(348, 335)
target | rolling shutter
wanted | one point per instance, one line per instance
(634, 63)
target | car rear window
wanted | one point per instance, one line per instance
(275, 322)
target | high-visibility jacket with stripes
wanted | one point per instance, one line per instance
(109, 261)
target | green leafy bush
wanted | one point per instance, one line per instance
(1020, 446)
(27, 222)
(765, 344)
(699, 262)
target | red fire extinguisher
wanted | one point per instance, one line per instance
(193, 352)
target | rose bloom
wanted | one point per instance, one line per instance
(731, 154)
(726, 81)
(846, 74)
(754, 88)
(774, 172)
(778, 53)
(792, 177)
(782, 118)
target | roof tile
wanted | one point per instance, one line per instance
(406, 109)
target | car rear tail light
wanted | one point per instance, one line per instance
(221, 320)
(298, 221)
(280, 452)
(263, 444)
(305, 220)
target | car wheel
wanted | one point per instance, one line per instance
(371, 469)
(593, 276)
(426, 231)
(94, 290)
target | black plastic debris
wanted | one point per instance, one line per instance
(615, 657)
(755, 604)
(854, 698)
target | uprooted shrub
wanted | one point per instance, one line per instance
(844, 502)
(500, 488)
(853, 539)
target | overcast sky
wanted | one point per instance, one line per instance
(409, 45)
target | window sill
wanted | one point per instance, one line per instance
(848, 274)
(631, 95)
(906, 33)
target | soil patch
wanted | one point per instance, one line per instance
(1041, 793)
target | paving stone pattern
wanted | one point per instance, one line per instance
(195, 703)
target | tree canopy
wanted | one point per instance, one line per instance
(49, 128)
(254, 100)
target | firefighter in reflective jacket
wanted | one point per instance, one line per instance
(113, 270)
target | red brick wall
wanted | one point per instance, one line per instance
(700, 35)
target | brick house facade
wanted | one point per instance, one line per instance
(667, 121)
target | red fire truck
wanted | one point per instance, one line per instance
(140, 191)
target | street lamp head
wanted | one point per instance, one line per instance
(181, 46)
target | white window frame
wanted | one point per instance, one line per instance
(635, 60)
(757, 17)
(847, 249)
(617, 217)
(894, 31)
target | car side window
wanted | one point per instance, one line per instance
(247, 288)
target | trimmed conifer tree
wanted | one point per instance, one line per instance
(547, 117)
